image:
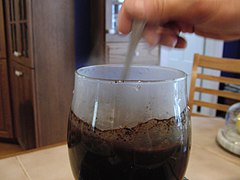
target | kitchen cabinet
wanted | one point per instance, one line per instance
(20, 35)
(41, 58)
(2, 33)
(22, 83)
(5, 109)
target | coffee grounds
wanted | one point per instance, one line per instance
(153, 133)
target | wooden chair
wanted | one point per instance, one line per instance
(222, 64)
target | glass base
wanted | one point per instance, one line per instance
(231, 146)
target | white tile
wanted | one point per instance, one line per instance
(10, 169)
(50, 164)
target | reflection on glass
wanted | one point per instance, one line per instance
(24, 39)
(22, 9)
(12, 10)
(13, 37)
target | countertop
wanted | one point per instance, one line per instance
(207, 161)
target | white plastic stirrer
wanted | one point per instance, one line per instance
(137, 30)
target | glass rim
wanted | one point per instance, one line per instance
(82, 75)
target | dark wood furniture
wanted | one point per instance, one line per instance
(41, 57)
(2, 33)
(5, 111)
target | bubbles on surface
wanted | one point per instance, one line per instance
(138, 87)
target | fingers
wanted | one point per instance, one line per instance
(152, 10)
(167, 36)
(204, 18)
(134, 9)
(181, 42)
(124, 21)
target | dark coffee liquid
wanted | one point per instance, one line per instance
(119, 155)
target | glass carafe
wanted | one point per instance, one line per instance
(134, 129)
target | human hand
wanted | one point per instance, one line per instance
(218, 19)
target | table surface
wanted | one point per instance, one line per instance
(207, 160)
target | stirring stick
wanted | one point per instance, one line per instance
(137, 29)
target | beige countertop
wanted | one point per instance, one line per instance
(207, 160)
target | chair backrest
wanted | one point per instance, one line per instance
(222, 64)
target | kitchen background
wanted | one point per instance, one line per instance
(43, 42)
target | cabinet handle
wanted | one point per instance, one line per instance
(18, 73)
(17, 54)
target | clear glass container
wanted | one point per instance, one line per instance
(232, 126)
(138, 128)
(229, 135)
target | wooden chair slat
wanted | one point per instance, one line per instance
(219, 79)
(221, 107)
(226, 94)
(222, 64)
(229, 65)
(199, 114)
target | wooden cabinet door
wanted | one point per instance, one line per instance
(23, 105)
(2, 33)
(5, 111)
(18, 16)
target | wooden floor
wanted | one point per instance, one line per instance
(7, 149)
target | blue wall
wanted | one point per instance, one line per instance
(82, 32)
(232, 49)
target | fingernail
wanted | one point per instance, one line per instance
(170, 42)
(174, 42)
